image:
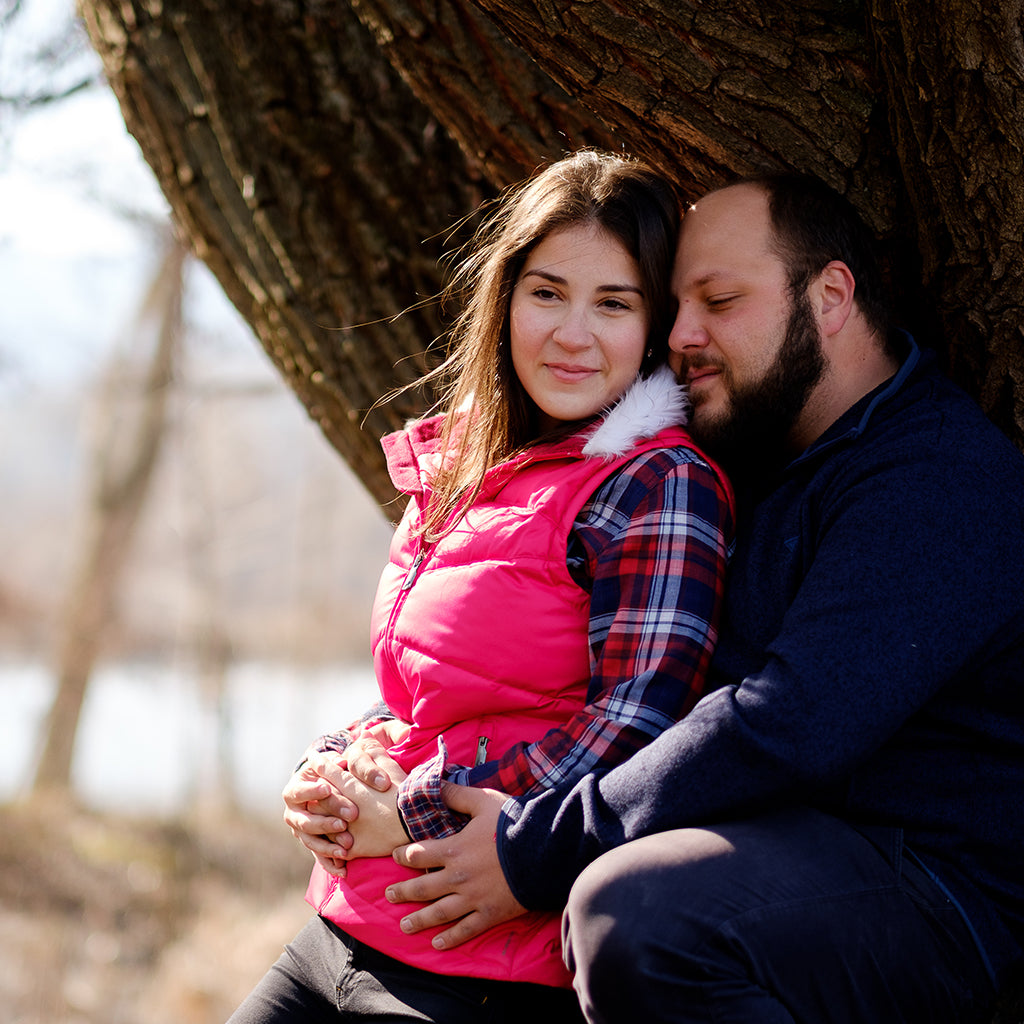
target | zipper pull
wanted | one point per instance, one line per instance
(481, 749)
(410, 576)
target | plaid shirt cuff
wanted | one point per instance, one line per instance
(424, 814)
(335, 742)
(380, 712)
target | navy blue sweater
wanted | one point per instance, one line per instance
(871, 664)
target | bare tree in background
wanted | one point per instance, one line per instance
(128, 430)
(47, 69)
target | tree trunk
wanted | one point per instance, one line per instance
(126, 449)
(315, 156)
(956, 78)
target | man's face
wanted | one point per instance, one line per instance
(750, 355)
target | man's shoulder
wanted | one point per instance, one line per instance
(932, 459)
(935, 422)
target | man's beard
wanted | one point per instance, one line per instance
(753, 432)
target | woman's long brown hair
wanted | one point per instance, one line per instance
(622, 196)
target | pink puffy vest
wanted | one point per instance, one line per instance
(481, 637)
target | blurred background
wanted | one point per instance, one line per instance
(186, 574)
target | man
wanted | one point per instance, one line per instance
(834, 833)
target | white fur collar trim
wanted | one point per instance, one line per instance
(649, 405)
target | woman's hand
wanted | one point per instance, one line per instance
(368, 760)
(377, 828)
(317, 813)
(323, 798)
(370, 786)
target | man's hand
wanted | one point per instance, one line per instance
(469, 888)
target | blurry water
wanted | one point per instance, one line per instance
(148, 741)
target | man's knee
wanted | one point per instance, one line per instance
(600, 940)
(771, 917)
(618, 907)
(592, 922)
(629, 924)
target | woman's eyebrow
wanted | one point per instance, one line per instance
(547, 275)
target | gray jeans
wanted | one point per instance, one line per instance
(324, 976)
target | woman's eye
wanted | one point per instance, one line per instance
(719, 301)
(614, 303)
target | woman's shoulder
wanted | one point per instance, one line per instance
(670, 463)
(668, 476)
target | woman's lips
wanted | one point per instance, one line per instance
(570, 374)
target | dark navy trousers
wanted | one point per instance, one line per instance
(789, 918)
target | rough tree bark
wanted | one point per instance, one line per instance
(955, 80)
(316, 153)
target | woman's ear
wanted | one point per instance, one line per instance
(832, 297)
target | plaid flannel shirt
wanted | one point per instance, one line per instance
(651, 546)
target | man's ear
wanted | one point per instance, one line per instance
(832, 297)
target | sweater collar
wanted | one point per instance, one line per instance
(852, 424)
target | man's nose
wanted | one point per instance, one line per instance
(687, 330)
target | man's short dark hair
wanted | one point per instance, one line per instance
(813, 225)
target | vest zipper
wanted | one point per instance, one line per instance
(388, 639)
(410, 576)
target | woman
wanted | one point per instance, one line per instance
(551, 597)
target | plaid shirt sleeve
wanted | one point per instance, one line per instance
(651, 545)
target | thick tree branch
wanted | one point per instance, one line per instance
(317, 181)
(506, 113)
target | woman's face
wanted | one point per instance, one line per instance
(579, 323)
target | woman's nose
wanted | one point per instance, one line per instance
(574, 330)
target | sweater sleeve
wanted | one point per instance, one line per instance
(903, 576)
(653, 544)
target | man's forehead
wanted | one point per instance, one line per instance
(724, 232)
(740, 209)
(744, 195)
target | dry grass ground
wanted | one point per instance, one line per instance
(107, 920)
